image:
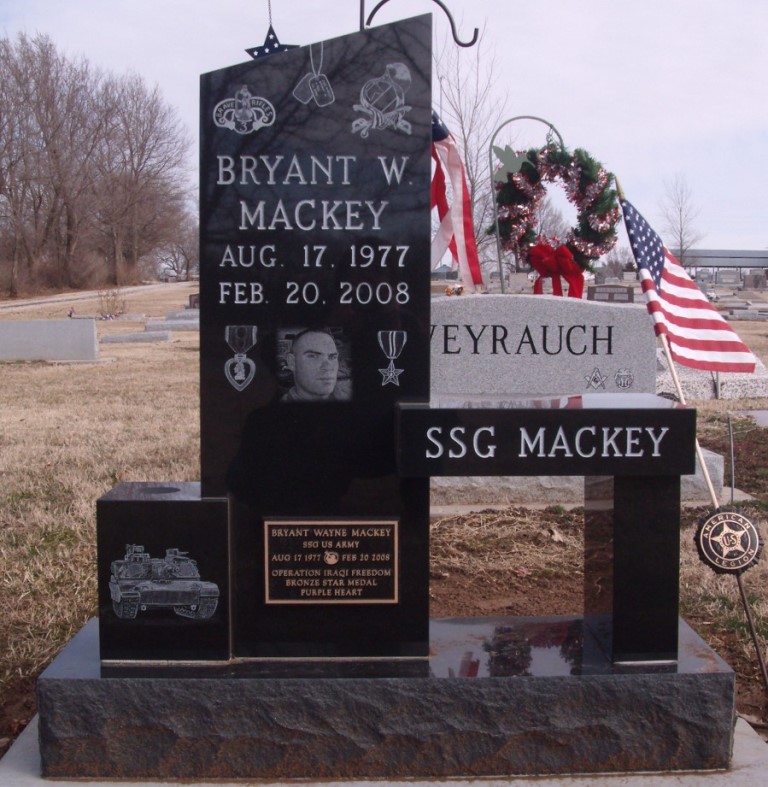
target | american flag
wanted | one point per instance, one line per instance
(456, 231)
(697, 334)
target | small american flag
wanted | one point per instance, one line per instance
(697, 334)
(456, 231)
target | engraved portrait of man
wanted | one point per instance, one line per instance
(315, 363)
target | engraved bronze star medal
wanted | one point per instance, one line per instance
(392, 343)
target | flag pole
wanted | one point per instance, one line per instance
(681, 397)
(716, 504)
(679, 392)
(710, 487)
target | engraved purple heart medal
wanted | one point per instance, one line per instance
(240, 370)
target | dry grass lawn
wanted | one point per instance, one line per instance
(70, 432)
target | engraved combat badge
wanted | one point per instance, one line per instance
(245, 113)
(728, 542)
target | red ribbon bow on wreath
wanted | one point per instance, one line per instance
(552, 263)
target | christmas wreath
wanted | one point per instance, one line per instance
(520, 190)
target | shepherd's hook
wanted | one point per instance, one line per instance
(366, 22)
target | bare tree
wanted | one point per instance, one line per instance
(472, 111)
(679, 213)
(24, 191)
(142, 196)
(10, 165)
(550, 220)
(69, 124)
(180, 258)
(618, 260)
(91, 171)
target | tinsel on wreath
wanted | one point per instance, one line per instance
(587, 185)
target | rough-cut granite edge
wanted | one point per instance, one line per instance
(280, 728)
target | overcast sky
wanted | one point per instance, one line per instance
(652, 88)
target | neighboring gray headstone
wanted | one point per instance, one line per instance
(48, 340)
(539, 345)
(510, 358)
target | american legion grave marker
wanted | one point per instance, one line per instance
(295, 577)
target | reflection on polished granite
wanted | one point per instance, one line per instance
(486, 647)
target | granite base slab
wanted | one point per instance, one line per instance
(497, 697)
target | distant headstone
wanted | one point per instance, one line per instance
(136, 336)
(185, 324)
(531, 345)
(746, 314)
(194, 301)
(731, 278)
(611, 293)
(48, 340)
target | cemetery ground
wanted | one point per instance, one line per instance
(70, 432)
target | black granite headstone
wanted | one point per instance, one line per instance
(315, 232)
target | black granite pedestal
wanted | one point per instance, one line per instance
(498, 696)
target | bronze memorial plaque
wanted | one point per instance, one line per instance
(318, 561)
